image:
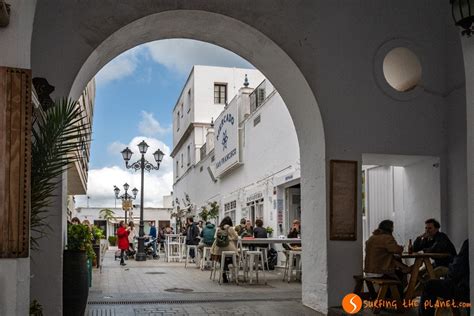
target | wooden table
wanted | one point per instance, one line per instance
(420, 259)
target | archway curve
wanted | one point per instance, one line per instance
(284, 74)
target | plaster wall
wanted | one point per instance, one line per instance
(183, 104)
(14, 286)
(15, 39)
(421, 196)
(47, 263)
(456, 223)
(468, 51)
(15, 49)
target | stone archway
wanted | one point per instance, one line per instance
(278, 67)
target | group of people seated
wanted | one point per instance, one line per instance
(382, 259)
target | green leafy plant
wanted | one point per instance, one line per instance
(113, 240)
(204, 214)
(59, 134)
(97, 234)
(79, 238)
(269, 230)
(213, 210)
(209, 213)
(36, 309)
(107, 214)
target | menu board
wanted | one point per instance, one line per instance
(343, 200)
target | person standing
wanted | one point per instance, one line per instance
(192, 234)
(153, 235)
(122, 234)
(131, 238)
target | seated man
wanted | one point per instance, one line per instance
(455, 286)
(207, 237)
(380, 250)
(434, 241)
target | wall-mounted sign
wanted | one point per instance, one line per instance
(226, 142)
(127, 205)
(254, 196)
(343, 200)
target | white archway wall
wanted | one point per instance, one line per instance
(336, 60)
(468, 50)
(283, 73)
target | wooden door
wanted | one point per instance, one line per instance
(15, 162)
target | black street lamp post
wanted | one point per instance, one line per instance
(142, 165)
(126, 198)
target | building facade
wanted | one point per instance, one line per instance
(248, 159)
(160, 216)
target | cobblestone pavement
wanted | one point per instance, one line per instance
(155, 287)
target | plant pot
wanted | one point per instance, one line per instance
(75, 283)
(97, 255)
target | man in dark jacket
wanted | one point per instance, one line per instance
(434, 241)
(153, 235)
(192, 234)
(454, 287)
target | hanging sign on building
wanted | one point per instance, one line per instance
(127, 205)
(226, 141)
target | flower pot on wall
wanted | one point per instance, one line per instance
(75, 283)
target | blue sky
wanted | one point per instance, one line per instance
(135, 96)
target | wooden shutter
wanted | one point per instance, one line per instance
(15, 162)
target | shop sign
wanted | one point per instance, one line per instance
(226, 148)
(279, 211)
(254, 196)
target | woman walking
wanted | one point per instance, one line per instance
(122, 234)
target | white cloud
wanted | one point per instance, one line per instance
(181, 54)
(157, 183)
(120, 67)
(149, 126)
(115, 148)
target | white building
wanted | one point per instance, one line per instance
(161, 216)
(248, 161)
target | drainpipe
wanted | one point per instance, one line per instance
(4, 13)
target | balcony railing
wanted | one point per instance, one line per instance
(260, 94)
(203, 151)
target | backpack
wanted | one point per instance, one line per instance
(222, 238)
(272, 259)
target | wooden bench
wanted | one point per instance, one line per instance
(383, 286)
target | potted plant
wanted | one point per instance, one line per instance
(269, 231)
(97, 235)
(75, 271)
(204, 214)
(113, 240)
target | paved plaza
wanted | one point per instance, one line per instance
(156, 287)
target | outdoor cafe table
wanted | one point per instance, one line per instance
(420, 258)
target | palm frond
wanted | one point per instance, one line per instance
(58, 137)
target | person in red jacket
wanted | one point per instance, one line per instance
(122, 234)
